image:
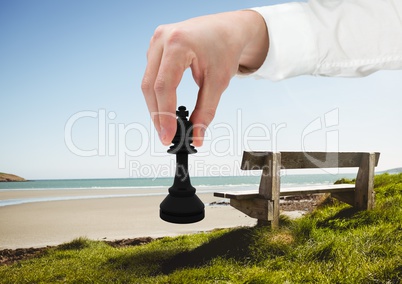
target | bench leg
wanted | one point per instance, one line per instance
(270, 185)
(364, 194)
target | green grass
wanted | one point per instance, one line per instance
(334, 244)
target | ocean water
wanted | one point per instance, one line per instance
(229, 181)
(149, 186)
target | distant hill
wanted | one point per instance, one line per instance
(392, 171)
(9, 177)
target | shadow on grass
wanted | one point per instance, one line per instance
(345, 213)
(342, 219)
(232, 245)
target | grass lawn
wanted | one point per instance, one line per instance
(334, 244)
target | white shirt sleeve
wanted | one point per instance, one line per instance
(346, 38)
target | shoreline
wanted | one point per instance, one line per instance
(53, 222)
(41, 224)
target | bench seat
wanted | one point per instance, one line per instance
(289, 191)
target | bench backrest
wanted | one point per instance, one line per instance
(305, 160)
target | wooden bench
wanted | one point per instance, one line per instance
(263, 204)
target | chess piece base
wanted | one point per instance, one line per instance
(182, 210)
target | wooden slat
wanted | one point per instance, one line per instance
(250, 194)
(239, 195)
(300, 160)
(347, 197)
(317, 189)
(254, 160)
(258, 208)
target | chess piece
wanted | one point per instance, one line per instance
(182, 206)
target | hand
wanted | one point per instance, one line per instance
(215, 47)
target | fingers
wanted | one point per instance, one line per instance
(168, 58)
(207, 103)
(175, 61)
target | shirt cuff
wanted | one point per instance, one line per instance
(292, 45)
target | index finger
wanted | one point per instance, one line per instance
(175, 60)
(154, 56)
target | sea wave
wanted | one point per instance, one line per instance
(20, 201)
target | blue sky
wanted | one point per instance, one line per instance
(71, 104)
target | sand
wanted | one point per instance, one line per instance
(40, 224)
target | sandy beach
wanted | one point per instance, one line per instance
(40, 224)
